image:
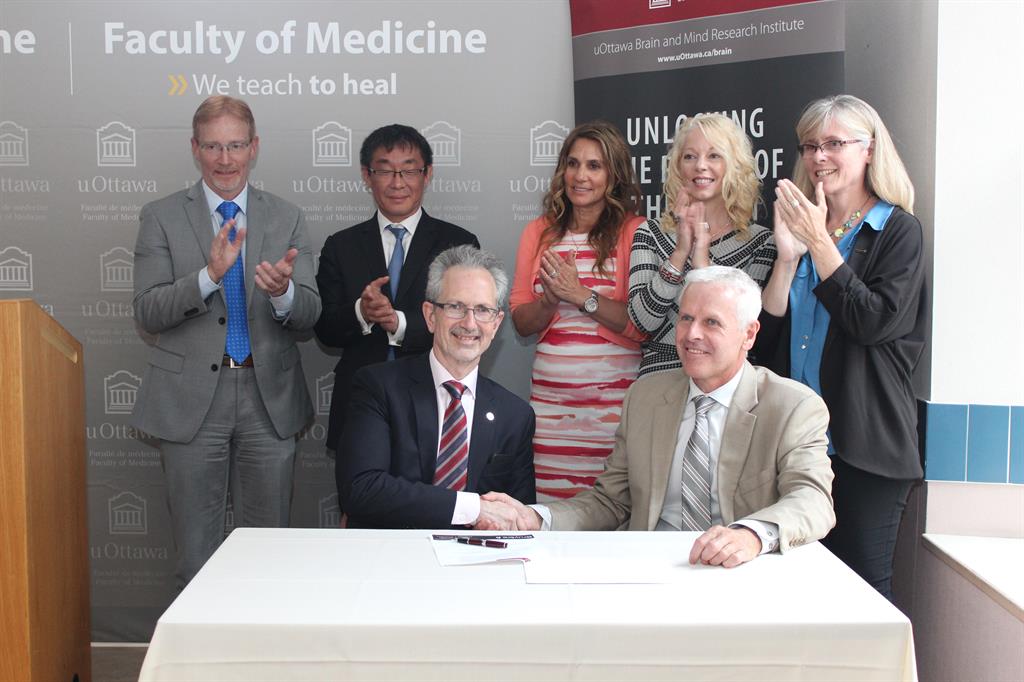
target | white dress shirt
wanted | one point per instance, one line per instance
(387, 238)
(282, 304)
(467, 505)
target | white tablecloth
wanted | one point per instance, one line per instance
(297, 604)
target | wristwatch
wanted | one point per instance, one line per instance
(590, 305)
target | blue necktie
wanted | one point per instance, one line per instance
(395, 269)
(237, 344)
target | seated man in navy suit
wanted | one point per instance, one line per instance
(427, 434)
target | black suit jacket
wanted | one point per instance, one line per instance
(350, 260)
(878, 306)
(390, 440)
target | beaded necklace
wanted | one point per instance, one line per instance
(854, 219)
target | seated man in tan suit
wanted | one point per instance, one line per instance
(728, 448)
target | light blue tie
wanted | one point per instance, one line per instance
(237, 344)
(395, 269)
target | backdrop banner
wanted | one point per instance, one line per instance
(96, 103)
(645, 65)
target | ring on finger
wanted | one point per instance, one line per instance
(706, 226)
(795, 203)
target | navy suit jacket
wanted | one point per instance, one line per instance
(390, 440)
(351, 259)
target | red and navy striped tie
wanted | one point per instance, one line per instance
(453, 452)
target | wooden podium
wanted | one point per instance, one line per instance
(44, 558)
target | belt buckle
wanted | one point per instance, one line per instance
(232, 363)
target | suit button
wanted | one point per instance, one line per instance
(221, 320)
(214, 368)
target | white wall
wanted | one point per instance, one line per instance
(948, 78)
(978, 314)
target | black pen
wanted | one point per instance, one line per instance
(481, 542)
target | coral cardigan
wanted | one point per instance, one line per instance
(528, 263)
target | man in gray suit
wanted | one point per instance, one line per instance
(224, 281)
(726, 448)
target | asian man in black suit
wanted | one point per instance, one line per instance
(372, 276)
(424, 436)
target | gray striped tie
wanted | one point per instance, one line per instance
(697, 470)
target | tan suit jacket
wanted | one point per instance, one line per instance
(772, 463)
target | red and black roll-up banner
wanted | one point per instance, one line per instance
(645, 65)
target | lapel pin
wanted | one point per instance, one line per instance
(490, 416)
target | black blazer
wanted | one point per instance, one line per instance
(390, 448)
(350, 260)
(878, 305)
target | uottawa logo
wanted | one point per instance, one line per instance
(332, 145)
(324, 391)
(330, 511)
(119, 392)
(446, 143)
(13, 144)
(115, 145)
(15, 269)
(545, 142)
(127, 514)
(116, 269)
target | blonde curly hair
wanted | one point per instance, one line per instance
(741, 186)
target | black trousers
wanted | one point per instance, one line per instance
(868, 512)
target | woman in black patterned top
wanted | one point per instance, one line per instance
(713, 187)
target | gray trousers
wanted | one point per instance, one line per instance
(235, 447)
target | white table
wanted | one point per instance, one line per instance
(297, 604)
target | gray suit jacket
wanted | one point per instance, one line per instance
(772, 464)
(174, 240)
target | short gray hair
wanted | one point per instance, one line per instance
(748, 294)
(466, 256)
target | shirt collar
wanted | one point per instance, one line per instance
(409, 223)
(723, 394)
(442, 375)
(213, 200)
(878, 216)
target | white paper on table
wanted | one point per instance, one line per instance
(566, 570)
(453, 553)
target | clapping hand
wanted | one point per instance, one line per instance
(805, 220)
(684, 227)
(560, 277)
(274, 279)
(789, 247)
(693, 235)
(223, 251)
(376, 307)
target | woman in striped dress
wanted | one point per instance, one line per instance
(713, 187)
(570, 289)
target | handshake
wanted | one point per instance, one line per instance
(498, 511)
